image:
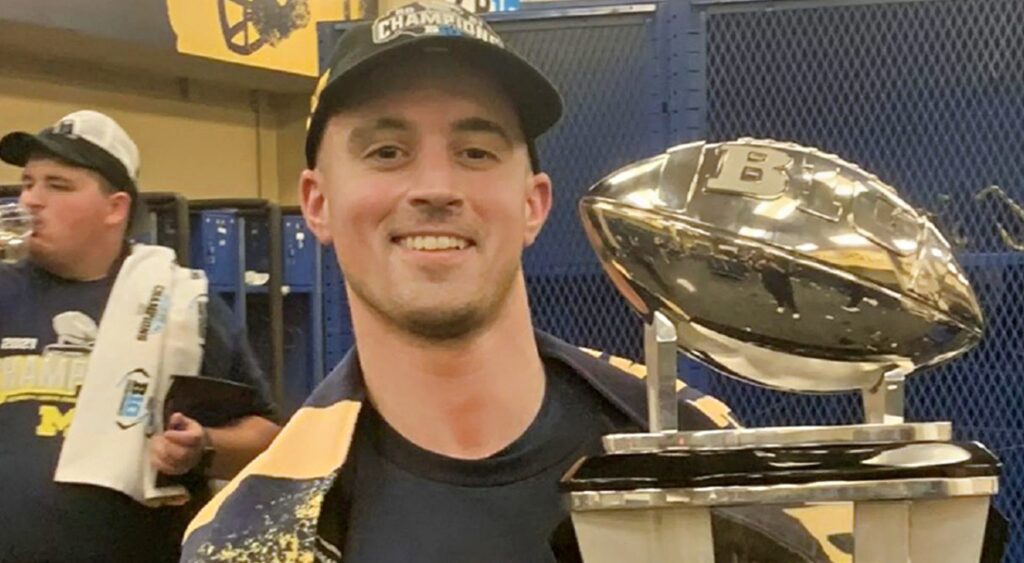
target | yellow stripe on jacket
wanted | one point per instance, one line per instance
(291, 456)
(715, 410)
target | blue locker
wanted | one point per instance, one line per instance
(338, 337)
(257, 253)
(301, 250)
(237, 243)
(303, 310)
(217, 248)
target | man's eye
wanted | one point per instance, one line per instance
(478, 154)
(386, 153)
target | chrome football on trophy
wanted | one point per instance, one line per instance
(789, 268)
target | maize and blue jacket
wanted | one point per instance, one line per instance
(272, 511)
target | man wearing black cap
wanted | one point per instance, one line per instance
(442, 437)
(79, 185)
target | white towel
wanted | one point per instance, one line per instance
(152, 328)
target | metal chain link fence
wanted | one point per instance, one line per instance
(930, 96)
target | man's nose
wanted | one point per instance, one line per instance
(30, 198)
(434, 189)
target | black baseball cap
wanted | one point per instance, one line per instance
(423, 26)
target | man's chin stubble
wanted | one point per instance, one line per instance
(435, 324)
(444, 326)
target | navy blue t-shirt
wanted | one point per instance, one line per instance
(47, 327)
(410, 504)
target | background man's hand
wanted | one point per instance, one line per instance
(180, 447)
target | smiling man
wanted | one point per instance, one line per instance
(443, 435)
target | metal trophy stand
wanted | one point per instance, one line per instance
(916, 494)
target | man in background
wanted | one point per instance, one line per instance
(79, 184)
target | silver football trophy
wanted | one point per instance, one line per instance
(788, 268)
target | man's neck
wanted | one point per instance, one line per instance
(468, 399)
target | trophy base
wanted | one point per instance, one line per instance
(915, 495)
(779, 436)
(948, 530)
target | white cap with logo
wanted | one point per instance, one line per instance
(84, 138)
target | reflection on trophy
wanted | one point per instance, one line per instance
(788, 268)
(15, 229)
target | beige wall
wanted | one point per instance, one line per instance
(198, 139)
(291, 145)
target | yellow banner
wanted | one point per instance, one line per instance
(274, 34)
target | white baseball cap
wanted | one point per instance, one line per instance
(88, 139)
(84, 138)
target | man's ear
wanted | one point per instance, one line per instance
(538, 205)
(120, 207)
(315, 208)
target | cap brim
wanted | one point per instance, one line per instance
(537, 102)
(18, 147)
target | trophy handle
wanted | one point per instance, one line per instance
(1014, 208)
(660, 340)
(883, 403)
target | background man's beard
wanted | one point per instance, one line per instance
(441, 324)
